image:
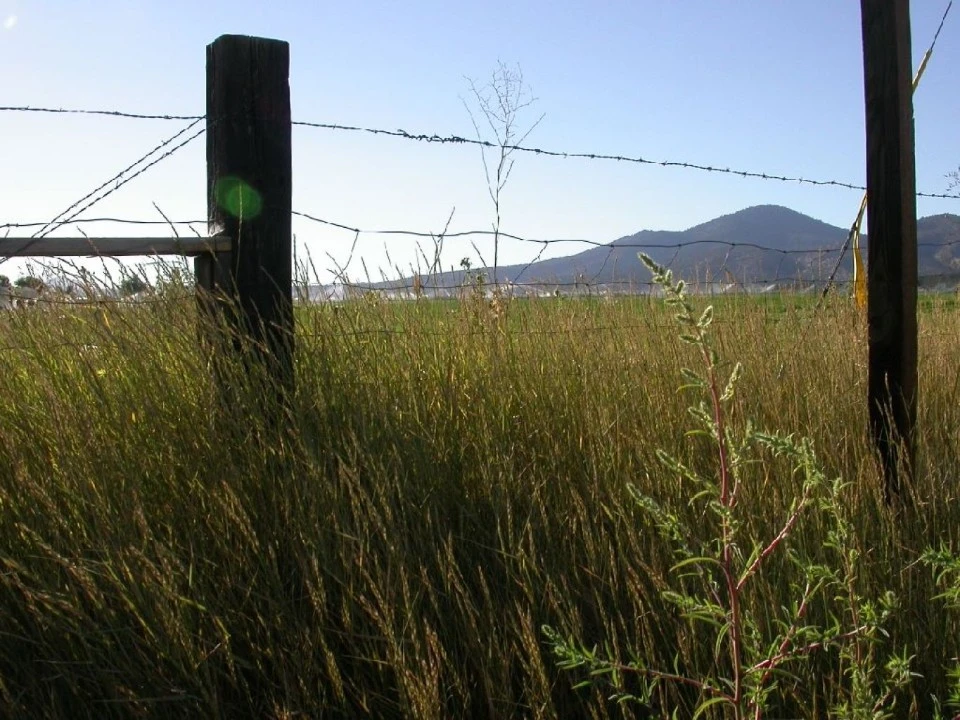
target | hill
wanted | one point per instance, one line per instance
(758, 248)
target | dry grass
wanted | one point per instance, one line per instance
(452, 479)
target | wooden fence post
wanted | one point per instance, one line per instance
(249, 192)
(892, 239)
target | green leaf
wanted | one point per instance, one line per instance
(710, 703)
(704, 560)
(755, 553)
(718, 641)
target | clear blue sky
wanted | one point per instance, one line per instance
(766, 85)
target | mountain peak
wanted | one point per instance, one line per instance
(761, 220)
(762, 245)
(758, 247)
(764, 212)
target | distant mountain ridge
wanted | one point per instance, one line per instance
(760, 247)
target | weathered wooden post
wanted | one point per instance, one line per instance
(892, 245)
(249, 192)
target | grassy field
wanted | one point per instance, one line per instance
(452, 477)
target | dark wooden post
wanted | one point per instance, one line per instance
(249, 193)
(892, 240)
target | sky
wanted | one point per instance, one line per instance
(770, 86)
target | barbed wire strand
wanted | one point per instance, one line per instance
(456, 139)
(472, 233)
(53, 225)
(943, 19)
(460, 140)
(123, 182)
(854, 229)
(85, 221)
(726, 275)
(109, 113)
(582, 241)
(388, 286)
(114, 301)
(726, 272)
(467, 233)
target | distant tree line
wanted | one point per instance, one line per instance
(25, 281)
(130, 285)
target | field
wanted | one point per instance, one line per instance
(450, 478)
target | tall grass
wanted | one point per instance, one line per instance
(452, 477)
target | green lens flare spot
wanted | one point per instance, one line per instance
(238, 198)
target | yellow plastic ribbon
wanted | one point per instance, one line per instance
(859, 276)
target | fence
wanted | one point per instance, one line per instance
(243, 267)
(721, 275)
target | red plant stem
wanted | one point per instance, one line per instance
(718, 420)
(784, 531)
(782, 651)
(726, 500)
(679, 679)
(780, 657)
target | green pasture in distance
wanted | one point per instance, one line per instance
(774, 304)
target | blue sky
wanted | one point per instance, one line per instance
(766, 85)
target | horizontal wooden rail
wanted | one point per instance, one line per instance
(118, 246)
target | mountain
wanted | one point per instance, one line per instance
(761, 247)
(727, 249)
(938, 251)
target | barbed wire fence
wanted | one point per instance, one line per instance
(721, 272)
(452, 139)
